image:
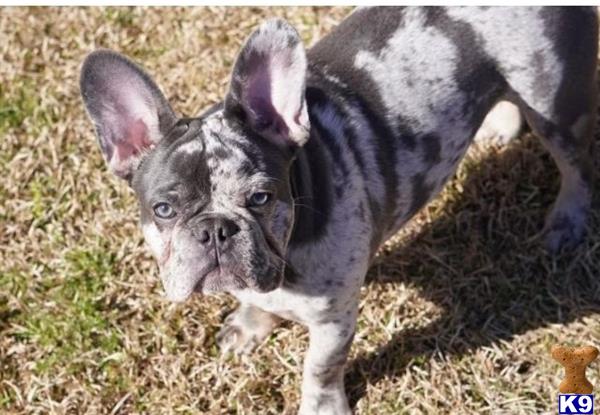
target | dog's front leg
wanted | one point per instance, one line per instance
(323, 378)
(245, 328)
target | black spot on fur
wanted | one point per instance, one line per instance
(406, 134)
(578, 57)
(431, 149)
(311, 184)
(220, 153)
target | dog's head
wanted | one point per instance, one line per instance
(214, 191)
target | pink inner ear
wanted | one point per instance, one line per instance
(136, 140)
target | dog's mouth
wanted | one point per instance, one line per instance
(226, 278)
(205, 278)
(220, 278)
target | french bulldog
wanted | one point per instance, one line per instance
(282, 193)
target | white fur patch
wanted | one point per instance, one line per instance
(402, 71)
(501, 125)
(191, 147)
(153, 239)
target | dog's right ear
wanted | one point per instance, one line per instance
(130, 113)
(268, 84)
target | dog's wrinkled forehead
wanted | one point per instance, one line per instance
(211, 155)
(228, 150)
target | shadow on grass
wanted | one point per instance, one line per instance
(478, 261)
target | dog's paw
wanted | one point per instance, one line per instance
(245, 329)
(502, 124)
(564, 231)
(236, 339)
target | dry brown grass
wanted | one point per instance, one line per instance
(458, 316)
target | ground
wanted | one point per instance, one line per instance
(459, 314)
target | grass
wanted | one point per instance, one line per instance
(458, 315)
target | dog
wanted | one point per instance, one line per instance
(282, 193)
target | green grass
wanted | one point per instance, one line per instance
(69, 322)
(18, 102)
(76, 318)
(122, 16)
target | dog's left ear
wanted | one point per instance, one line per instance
(129, 111)
(268, 84)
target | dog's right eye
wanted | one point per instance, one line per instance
(164, 210)
(259, 199)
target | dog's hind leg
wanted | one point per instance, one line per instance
(555, 88)
(571, 146)
(501, 124)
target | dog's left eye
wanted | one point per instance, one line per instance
(164, 211)
(259, 198)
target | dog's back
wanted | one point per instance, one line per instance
(418, 83)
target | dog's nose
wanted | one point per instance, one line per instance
(217, 229)
(204, 236)
(225, 228)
